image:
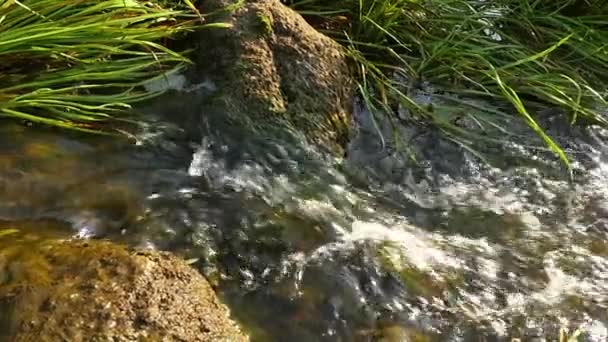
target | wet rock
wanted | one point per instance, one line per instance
(271, 66)
(396, 333)
(99, 291)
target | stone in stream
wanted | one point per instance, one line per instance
(271, 66)
(99, 291)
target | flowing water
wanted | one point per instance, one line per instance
(306, 247)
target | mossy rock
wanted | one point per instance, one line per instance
(271, 67)
(99, 291)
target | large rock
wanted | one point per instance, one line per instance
(271, 66)
(99, 291)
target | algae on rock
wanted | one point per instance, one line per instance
(99, 291)
(272, 67)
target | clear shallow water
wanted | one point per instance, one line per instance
(304, 247)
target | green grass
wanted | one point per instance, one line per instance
(80, 64)
(527, 54)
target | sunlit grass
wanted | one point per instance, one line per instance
(81, 63)
(529, 54)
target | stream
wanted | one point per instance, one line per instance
(307, 247)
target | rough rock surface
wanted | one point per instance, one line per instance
(99, 291)
(271, 65)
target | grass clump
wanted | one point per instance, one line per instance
(527, 55)
(79, 63)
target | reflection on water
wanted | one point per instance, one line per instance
(307, 248)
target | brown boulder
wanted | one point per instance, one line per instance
(99, 291)
(271, 66)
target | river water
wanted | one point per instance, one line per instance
(307, 247)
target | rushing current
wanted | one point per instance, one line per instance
(431, 242)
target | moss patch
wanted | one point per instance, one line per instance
(265, 23)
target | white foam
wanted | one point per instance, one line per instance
(420, 251)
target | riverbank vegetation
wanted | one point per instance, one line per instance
(522, 56)
(75, 64)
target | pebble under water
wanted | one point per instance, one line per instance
(371, 247)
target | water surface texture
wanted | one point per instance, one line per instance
(306, 247)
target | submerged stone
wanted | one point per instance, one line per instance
(99, 291)
(272, 67)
